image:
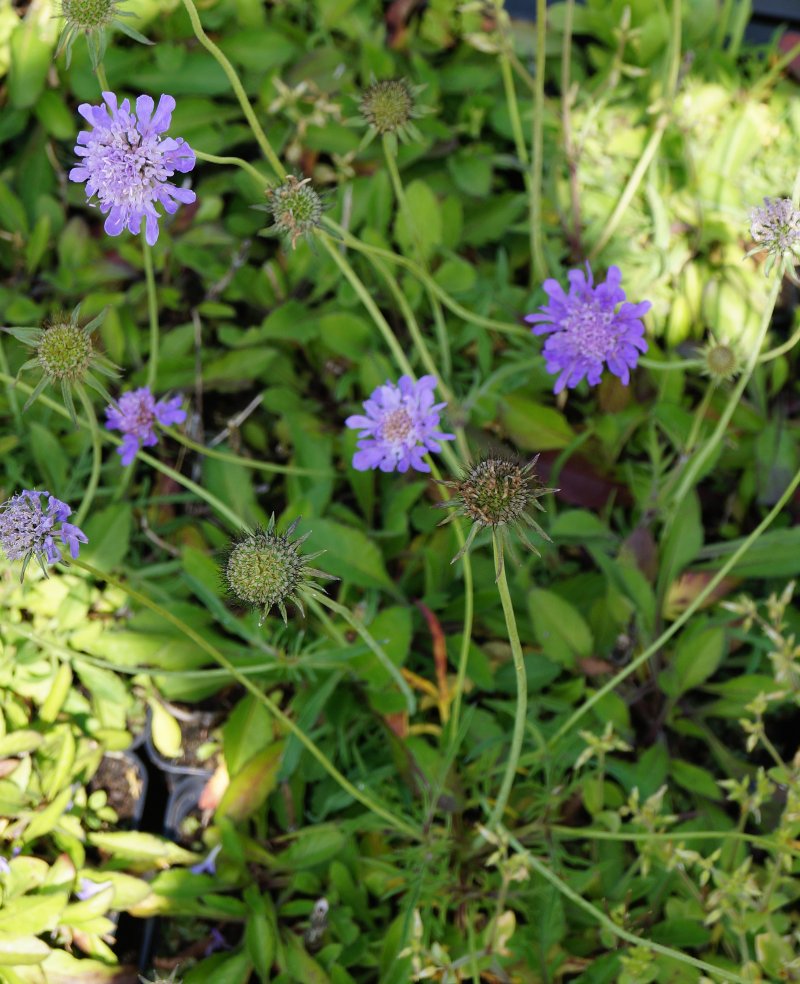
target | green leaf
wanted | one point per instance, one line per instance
(30, 60)
(314, 845)
(251, 786)
(164, 729)
(259, 934)
(561, 630)
(350, 554)
(44, 821)
(301, 965)
(696, 657)
(132, 845)
(247, 731)
(30, 915)
(16, 950)
(695, 779)
(222, 968)
(19, 743)
(425, 214)
(532, 426)
(682, 543)
(109, 534)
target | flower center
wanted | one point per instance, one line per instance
(65, 352)
(397, 425)
(88, 15)
(590, 328)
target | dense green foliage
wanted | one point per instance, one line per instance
(361, 753)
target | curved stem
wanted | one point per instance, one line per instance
(377, 649)
(522, 687)
(398, 823)
(695, 464)
(238, 88)
(672, 364)
(236, 161)
(235, 459)
(375, 313)
(608, 924)
(402, 201)
(537, 165)
(665, 636)
(152, 313)
(97, 456)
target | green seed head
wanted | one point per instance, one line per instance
(64, 351)
(296, 208)
(265, 569)
(88, 15)
(388, 106)
(721, 361)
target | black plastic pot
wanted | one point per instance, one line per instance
(125, 767)
(175, 768)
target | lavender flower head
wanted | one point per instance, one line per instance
(399, 427)
(136, 415)
(127, 163)
(586, 331)
(28, 530)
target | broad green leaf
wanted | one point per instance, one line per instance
(561, 630)
(313, 845)
(250, 787)
(19, 743)
(31, 915)
(695, 779)
(696, 657)
(30, 59)
(164, 729)
(259, 934)
(109, 533)
(424, 212)
(532, 426)
(247, 731)
(44, 821)
(16, 949)
(133, 845)
(349, 554)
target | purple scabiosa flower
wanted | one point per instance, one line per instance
(399, 427)
(586, 331)
(208, 866)
(89, 889)
(127, 163)
(216, 942)
(136, 415)
(27, 530)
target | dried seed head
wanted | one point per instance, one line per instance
(295, 208)
(88, 15)
(264, 569)
(721, 361)
(497, 493)
(64, 351)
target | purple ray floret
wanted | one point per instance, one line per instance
(586, 330)
(400, 426)
(29, 530)
(136, 415)
(127, 163)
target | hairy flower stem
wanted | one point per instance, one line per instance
(469, 602)
(374, 646)
(390, 155)
(97, 456)
(152, 312)
(398, 823)
(679, 622)
(522, 687)
(238, 88)
(539, 267)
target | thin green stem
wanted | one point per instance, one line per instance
(236, 459)
(522, 687)
(537, 165)
(97, 456)
(672, 364)
(697, 462)
(521, 148)
(699, 417)
(100, 72)
(402, 202)
(236, 161)
(238, 88)
(608, 924)
(506, 327)
(152, 312)
(677, 836)
(398, 823)
(374, 311)
(469, 603)
(679, 622)
(371, 642)
(331, 627)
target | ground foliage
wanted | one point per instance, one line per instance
(655, 827)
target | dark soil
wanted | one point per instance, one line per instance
(122, 782)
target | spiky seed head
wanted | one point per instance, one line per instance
(264, 569)
(64, 351)
(158, 979)
(388, 105)
(88, 15)
(296, 208)
(721, 361)
(497, 492)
